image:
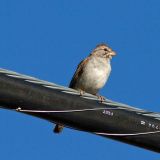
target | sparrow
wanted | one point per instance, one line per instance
(92, 73)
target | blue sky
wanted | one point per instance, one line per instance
(47, 39)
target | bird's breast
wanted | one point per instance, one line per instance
(95, 74)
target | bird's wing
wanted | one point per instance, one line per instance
(78, 72)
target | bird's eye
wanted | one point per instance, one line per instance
(105, 49)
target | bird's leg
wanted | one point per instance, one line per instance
(101, 98)
(81, 92)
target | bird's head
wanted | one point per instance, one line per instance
(102, 50)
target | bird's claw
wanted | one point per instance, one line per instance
(81, 92)
(101, 98)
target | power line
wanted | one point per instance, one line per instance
(63, 105)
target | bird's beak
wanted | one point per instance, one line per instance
(112, 53)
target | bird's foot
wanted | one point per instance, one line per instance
(58, 128)
(81, 92)
(101, 98)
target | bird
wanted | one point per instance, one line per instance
(92, 73)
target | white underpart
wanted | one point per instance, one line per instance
(95, 74)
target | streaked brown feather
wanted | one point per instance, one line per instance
(78, 72)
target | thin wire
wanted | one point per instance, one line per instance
(63, 111)
(126, 134)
